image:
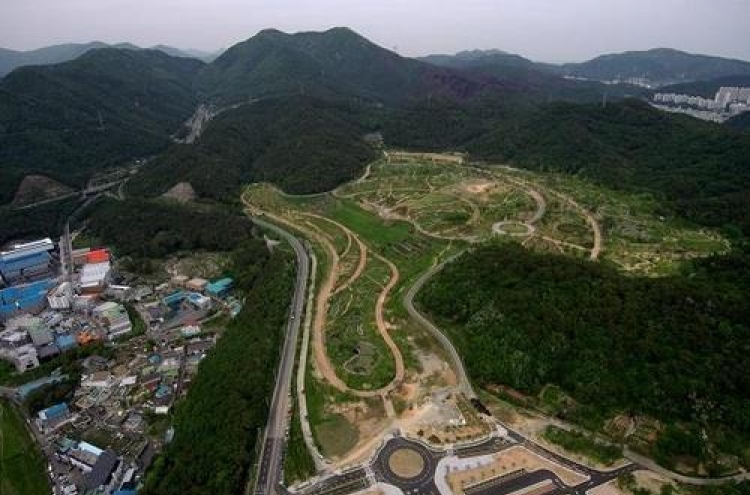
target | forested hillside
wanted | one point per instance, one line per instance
(670, 348)
(46, 220)
(155, 228)
(301, 144)
(102, 109)
(334, 63)
(217, 425)
(741, 122)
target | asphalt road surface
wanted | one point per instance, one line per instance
(458, 365)
(271, 461)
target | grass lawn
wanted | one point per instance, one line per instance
(336, 435)
(298, 464)
(22, 465)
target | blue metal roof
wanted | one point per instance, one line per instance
(65, 341)
(175, 298)
(56, 411)
(23, 296)
(32, 260)
(219, 286)
(224, 282)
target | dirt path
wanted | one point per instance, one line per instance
(360, 245)
(383, 325)
(475, 213)
(326, 293)
(542, 208)
(323, 364)
(348, 245)
(327, 290)
(593, 223)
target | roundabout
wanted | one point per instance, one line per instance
(406, 464)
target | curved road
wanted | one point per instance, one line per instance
(638, 461)
(458, 365)
(270, 466)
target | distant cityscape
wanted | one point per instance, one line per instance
(728, 102)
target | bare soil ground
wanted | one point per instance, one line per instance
(181, 192)
(35, 188)
(610, 488)
(406, 463)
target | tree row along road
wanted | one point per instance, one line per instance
(270, 466)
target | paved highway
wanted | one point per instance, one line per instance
(270, 467)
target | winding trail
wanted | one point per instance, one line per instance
(360, 245)
(327, 290)
(542, 208)
(322, 361)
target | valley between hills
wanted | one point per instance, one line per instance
(469, 274)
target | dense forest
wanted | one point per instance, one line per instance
(301, 144)
(671, 348)
(102, 109)
(154, 228)
(217, 425)
(45, 220)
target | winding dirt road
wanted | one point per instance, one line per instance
(328, 289)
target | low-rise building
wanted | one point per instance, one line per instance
(220, 288)
(51, 418)
(196, 284)
(99, 379)
(114, 318)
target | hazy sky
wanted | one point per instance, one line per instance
(547, 30)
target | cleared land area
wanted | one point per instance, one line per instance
(376, 235)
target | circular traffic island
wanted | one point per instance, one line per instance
(406, 463)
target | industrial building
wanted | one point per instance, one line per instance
(15, 348)
(196, 284)
(60, 297)
(26, 298)
(220, 288)
(26, 262)
(94, 277)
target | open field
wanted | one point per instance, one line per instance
(375, 236)
(22, 466)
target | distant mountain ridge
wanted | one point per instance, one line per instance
(656, 67)
(336, 62)
(13, 59)
(544, 81)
